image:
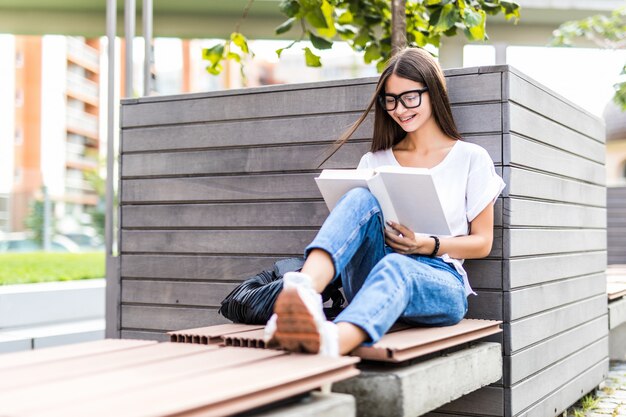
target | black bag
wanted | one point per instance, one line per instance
(252, 301)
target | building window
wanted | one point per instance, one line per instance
(19, 59)
(19, 97)
(19, 136)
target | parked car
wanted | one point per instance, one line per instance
(24, 242)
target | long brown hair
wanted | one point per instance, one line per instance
(417, 65)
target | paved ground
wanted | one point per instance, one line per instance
(612, 394)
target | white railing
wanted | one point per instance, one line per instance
(82, 121)
(82, 86)
(83, 52)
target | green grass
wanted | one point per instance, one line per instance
(26, 268)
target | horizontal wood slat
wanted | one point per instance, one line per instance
(527, 242)
(530, 330)
(529, 213)
(530, 184)
(172, 293)
(530, 94)
(532, 125)
(534, 388)
(531, 300)
(527, 153)
(536, 270)
(539, 356)
(138, 317)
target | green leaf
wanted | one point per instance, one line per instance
(328, 12)
(240, 40)
(319, 43)
(345, 18)
(285, 26)
(234, 56)
(316, 18)
(380, 65)
(213, 54)
(372, 53)
(478, 32)
(215, 69)
(449, 16)
(362, 38)
(289, 7)
(346, 31)
(472, 17)
(311, 59)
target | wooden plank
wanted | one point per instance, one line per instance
(530, 300)
(262, 214)
(137, 317)
(253, 242)
(525, 332)
(536, 270)
(531, 390)
(60, 353)
(522, 152)
(541, 355)
(528, 213)
(487, 305)
(478, 118)
(256, 132)
(195, 267)
(224, 188)
(242, 161)
(48, 372)
(243, 105)
(201, 294)
(221, 392)
(524, 183)
(484, 273)
(491, 143)
(474, 88)
(143, 335)
(527, 242)
(487, 401)
(569, 393)
(90, 387)
(530, 94)
(526, 123)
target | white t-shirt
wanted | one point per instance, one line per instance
(466, 182)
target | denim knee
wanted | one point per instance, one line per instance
(361, 195)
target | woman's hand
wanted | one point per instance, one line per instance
(402, 240)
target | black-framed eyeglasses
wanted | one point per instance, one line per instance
(409, 99)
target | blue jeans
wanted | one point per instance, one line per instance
(383, 286)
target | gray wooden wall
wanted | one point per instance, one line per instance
(616, 231)
(216, 186)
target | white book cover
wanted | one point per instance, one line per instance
(406, 195)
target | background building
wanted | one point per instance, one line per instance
(50, 89)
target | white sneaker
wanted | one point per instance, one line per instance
(298, 323)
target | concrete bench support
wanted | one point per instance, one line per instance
(417, 389)
(617, 329)
(314, 405)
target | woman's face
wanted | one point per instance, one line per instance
(410, 119)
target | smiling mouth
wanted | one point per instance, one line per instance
(406, 119)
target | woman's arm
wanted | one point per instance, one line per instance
(476, 245)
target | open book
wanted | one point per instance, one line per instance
(406, 195)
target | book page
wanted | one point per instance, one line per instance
(334, 183)
(378, 189)
(415, 201)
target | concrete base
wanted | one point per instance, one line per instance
(617, 329)
(413, 390)
(314, 405)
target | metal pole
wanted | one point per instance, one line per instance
(147, 37)
(111, 23)
(112, 277)
(398, 26)
(46, 219)
(129, 36)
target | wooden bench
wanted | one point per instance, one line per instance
(131, 378)
(216, 186)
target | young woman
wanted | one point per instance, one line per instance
(392, 273)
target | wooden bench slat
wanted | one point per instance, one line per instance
(60, 353)
(222, 392)
(138, 375)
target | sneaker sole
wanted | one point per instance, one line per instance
(296, 330)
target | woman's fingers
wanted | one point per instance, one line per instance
(403, 230)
